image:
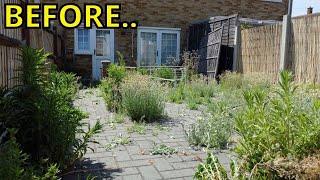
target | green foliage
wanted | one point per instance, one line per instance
(213, 131)
(212, 169)
(164, 72)
(81, 145)
(110, 86)
(143, 71)
(163, 149)
(42, 112)
(142, 98)
(13, 162)
(139, 128)
(11, 159)
(117, 73)
(276, 126)
(177, 94)
(116, 141)
(198, 90)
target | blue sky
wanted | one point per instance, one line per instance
(300, 6)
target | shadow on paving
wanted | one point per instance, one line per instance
(88, 169)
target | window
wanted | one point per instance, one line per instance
(158, 46)
(82, 41)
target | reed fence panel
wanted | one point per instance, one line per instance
(305, 49)
(260, 50)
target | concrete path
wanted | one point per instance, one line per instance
(133, 159)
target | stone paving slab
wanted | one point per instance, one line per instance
(133, 160)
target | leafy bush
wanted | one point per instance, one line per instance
(13, 162)
(42, 112)
(212, 169)
(177, 94)
(117, 73)
(111, 95)
(276, 126)
(214, 131)
(142, 98)
(164, 72)
(110, 87)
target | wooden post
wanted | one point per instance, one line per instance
(237, 42)
(286, 35)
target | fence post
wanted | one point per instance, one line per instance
(236, 52)
(286, 35)
(286, 32)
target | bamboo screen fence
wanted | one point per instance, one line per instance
(260, 50)
(305, 49)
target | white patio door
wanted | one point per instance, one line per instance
(158, 46)
(103, 43)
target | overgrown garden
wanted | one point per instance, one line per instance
(271, 127)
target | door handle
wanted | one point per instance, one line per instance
(94, 52)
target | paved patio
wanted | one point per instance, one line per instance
(134, 160)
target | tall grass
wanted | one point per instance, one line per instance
(142, 98)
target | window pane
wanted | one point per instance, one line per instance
(148, 49)
(168, 47)
(83, 39)
(103, 46)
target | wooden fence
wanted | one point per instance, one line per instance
(12, 39)
(260, 50)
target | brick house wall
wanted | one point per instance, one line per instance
(176, 14)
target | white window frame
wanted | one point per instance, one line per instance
(158, 31)
(76, 48)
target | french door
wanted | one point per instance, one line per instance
(158, 46)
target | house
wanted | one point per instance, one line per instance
(162, 32)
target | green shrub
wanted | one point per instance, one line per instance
(110, 86)
(213, 131)
(212, 169)
(200, 90)
(13, 162)
(177, 94)
(276, 126)
(163, 72)
(111, 94)
(142, 98)
(42, 112)
(117, 73)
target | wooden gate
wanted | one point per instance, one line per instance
(210, 49)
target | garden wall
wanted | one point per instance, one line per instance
(260, 49)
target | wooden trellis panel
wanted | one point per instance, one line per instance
(210, 53)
